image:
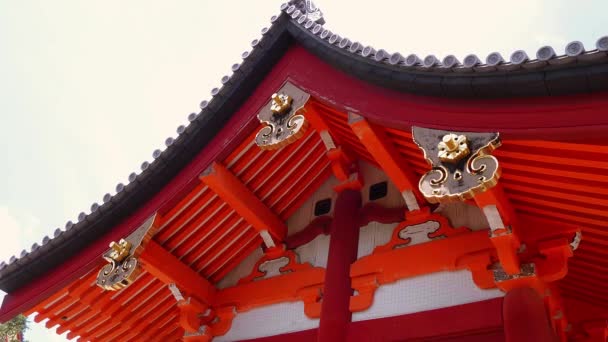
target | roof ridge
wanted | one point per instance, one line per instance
(545, 55)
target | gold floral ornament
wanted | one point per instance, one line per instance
(120, 250)
(281, 103)
(462, 163)
(453, 148)
(284, 119)
(123, 267)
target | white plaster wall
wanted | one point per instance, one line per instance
(241, 270)
(423, 293)
(269, 320)
(315, 252)
(372, 235)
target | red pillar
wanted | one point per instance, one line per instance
(525, 317)
(335, 316)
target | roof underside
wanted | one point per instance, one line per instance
(206, 234)
(538, 175)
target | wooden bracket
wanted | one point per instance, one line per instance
(139, 252)
(170, 270)
(345, 169)
(276, 277)
(389, 159)
(420, 227)
(503, 227)
(343, 165)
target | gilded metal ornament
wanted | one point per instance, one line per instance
(123, 267)
(461, 161)
(285, 122)
(453, 148)
(281, 103)
(120, 250)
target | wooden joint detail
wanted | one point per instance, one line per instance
(504, 231)
(343, 164)
(230, 189)
(170, 270)
(420, 227)
(277, 277)
(274, 263)
(390, 160)
(345, 169)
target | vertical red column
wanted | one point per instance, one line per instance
(525, 317)
(335, 316)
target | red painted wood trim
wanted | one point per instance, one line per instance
(525, 317)
(574, 118)
(474, 322)
(335, 313)
(318, 226)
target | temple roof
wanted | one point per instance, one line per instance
(549, 74)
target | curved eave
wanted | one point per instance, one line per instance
(202, 128)
(577, 74)
(560, 75)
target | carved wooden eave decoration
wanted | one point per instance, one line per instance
(123, 266)
(462, 163)
(284, 119)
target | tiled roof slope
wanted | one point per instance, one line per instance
(577, 70)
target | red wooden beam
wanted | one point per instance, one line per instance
(170, 270)
(575, 118)
(230, 189)
(389, 159)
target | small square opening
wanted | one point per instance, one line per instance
(378, 191)
(323, 207)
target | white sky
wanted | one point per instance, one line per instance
(88, 89)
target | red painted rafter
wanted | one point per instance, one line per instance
(228, 187)
(170, 270)
(383, 151)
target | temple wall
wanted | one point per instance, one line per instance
(269, 320)
(422, 293)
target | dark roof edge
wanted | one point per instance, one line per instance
(549, 74)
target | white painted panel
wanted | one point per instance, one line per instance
(241, 270)
(373, 235)
(269, 320)
(315, 252)
(423, 293)
(305, 214)
(462, 214)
